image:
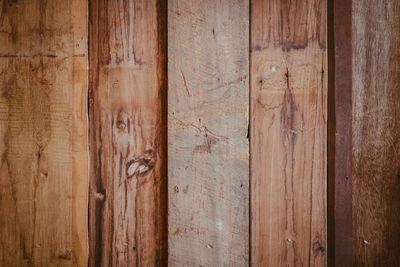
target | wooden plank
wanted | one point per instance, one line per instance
(288, 132)
(43, 133)
(340, 133)
(128, 183)
(376, 133)
(208, 150)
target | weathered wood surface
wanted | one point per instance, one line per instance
(208, 150)
(43, 133)
(376, 133)
(128, 210)
(288, 133)
(340, 133)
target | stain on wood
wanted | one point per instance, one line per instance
(128, 182)
(376, 133)
(43, 133)
(208, 150)
(288, 132)
(340, 133)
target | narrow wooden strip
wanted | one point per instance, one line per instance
(376, 133)
(340, 134)
(128, 180)
(288, 132)
(43, 133)
(208, 150)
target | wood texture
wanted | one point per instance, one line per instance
(208, 150)
(288, 133)
(376, 133)
(340, 133)
(128, 183)
(43, 133)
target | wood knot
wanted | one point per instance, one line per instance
(121, 125)
(122, 121)
(66, 256)
(318, 248)
(141, 165)
(99, 196)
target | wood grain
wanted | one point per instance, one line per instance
(288, 133)
(340, 133)
(376, 133)
(43, 133)
(208, 150)
(128, 183)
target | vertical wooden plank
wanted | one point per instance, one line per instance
(376, 133)
(208, 151)
(43, 133)
(128, 137)
(340, 133)
(288, 132)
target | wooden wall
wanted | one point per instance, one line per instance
(199, 133)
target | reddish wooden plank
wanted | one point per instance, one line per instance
(128, 183)
(288, 133)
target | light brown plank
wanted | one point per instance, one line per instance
(288, 133)
(208, 151)
(128, 180)
(376, 133)
(43, 133)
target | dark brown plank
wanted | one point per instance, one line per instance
(340, 133)
(288, 132)
(128, 183)
(376, 132)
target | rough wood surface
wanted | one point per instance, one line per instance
(376, 133)
(340, 133)
(208, 150)
(128, 183)
(288, 133)
(43, 133)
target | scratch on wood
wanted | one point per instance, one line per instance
(200, 129)
(185, 84)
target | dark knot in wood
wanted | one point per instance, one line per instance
(141, 165)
